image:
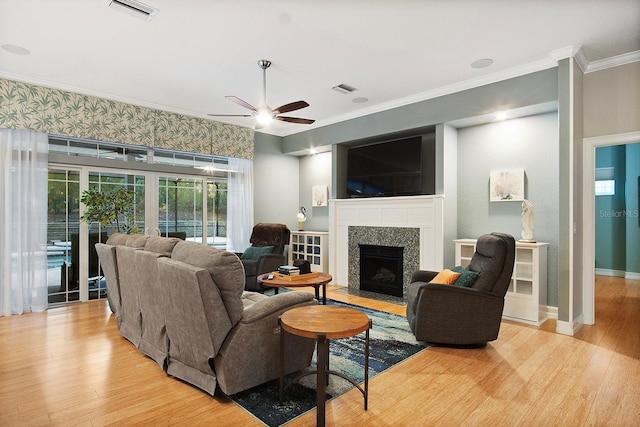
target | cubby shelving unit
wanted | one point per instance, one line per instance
(312, 246)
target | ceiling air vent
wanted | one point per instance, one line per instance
(344, 89)
(133, 8)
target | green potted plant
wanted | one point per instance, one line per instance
(107, 207)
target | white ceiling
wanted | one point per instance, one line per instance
(194, 52)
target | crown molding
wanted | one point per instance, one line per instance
(437, 92)
(614, 61)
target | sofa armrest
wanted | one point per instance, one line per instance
(275, 304)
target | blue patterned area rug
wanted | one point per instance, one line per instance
(390, 341)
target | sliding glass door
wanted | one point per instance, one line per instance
(189, 207)
(63, 222)
(193, 209)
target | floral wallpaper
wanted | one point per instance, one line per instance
(36, 108)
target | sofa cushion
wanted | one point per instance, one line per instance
(445, 277)
(161, 245)
(225, 269)
(137, 240)
(255, 252)
(467, 278)
(117, 239)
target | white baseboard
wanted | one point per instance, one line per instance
(609, 272)
(632, 276)
(552, 312)
(617, 273)
(566, 328)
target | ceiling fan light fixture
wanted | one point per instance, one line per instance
(264, 117)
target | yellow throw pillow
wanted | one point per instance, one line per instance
(445, 277)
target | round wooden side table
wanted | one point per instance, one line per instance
(314, 280)
(324, 323)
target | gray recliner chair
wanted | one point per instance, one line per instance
(458, 315)
(266, 253)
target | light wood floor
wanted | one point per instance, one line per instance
(69, 366)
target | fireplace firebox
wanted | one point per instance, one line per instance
(381, 269)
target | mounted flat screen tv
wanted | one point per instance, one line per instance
(391, 168)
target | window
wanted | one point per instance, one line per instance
(191, 190)
(605, 182)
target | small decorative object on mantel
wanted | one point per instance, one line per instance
(506, 185)
(527, 222)
(301, 217)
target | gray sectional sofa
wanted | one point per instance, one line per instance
(183, 304)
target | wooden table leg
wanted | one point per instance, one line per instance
(321, 378)
(324, 293)
(366, 367)
(281, 360)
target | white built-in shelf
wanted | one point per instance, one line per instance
(311, 246)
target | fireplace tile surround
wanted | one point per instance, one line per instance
(415, 222)
(409, 238)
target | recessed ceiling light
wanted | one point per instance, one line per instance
(501, 115)
(360, 100)
(17, 50)
(482, 63)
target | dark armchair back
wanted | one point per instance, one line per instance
(269, 234)
(264, 234)
(493, 260)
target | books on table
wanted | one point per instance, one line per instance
(289, 270)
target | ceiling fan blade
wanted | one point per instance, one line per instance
(229, 115)
(241, 102)
(292, 106)
(294, 120)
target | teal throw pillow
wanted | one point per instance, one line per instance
(255, 252)
(467, 278)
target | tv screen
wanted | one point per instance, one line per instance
(391, 168)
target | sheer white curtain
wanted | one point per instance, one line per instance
(23, 221)
(239, 204)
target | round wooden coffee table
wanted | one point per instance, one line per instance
(324, 323)
(314, 280)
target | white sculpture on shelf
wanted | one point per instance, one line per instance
(301, 217)
(527, 221)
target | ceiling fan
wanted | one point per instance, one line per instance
(263, 114)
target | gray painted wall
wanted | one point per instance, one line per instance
(275, 182)
(315, 170)
(531, 89)
(612, 100)
(529, 143)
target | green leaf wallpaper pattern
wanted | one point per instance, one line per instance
(41, 109)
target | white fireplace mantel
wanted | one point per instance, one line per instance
(422, 212)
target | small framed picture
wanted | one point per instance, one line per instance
(319, 195)
(506, 185)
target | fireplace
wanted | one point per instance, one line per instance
(381, 269)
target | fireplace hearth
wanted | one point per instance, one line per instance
(381, 269)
